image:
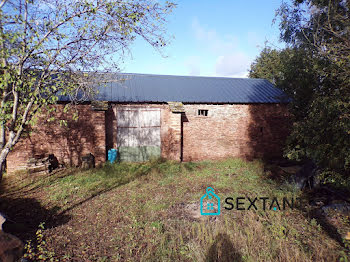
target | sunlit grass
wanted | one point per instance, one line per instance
(141, 210)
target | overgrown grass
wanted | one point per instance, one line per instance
(81, 184)
(148, 212)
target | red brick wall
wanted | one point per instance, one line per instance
(68, 143)
(256, 130)
(251, 131)
(170, 134)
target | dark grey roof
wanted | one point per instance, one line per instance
(188, 89)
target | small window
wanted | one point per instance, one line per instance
(202, 112)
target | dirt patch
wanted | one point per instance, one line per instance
(189, 212)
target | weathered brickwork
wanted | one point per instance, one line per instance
(247, 130)
(171, 134)
(68, 143)
(240, 130)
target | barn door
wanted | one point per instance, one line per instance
(138, 134)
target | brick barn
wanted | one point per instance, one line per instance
(180, 118)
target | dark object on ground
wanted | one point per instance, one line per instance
(88, 161)
(283, 162)
(49, 164)
(306, 177)
(53, 162)
(9, 226)
(341, 207)
(11, 248)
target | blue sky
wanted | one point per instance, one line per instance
(211, 38)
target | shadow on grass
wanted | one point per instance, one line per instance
(327, 196)
(309, 196)
(119, 174)
(18, 188)
(25, 215)
(330, 229)
(19, 201)
(97, 193)
(222, 250)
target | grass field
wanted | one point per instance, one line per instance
(150, 212)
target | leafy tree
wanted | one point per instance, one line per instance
(47, 45)
(314, 70)
(268, 65)
(292, 71)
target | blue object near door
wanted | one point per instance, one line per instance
(112, 155)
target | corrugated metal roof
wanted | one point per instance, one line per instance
(188, 89)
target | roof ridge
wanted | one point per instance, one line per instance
(189, 76)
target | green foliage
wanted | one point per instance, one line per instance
(45, 52)
(39, 251)
(336, 179)
(268, 65)
(291, 70)
(324, 134)
(314, 71)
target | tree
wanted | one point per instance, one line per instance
(267, 65)
(46, 46)
(322, 27)
(314, 70)
(319, 25)
(291, 70)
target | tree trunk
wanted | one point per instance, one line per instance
(2, 168)
(4, 153)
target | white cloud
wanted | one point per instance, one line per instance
(254, 39)
(230, 60)
(212, 40)
(193, 65)
(233, 65)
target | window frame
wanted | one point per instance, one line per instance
(202, 112)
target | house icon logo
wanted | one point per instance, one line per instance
(210, 203)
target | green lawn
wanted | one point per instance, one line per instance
(150, 212)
